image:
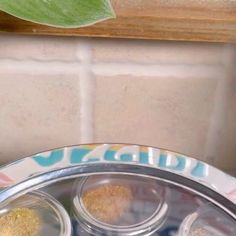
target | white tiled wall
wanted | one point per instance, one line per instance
(57, 91)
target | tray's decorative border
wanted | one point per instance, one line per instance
(119, 153)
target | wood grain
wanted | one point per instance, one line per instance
(191, 20)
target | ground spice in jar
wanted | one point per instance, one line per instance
(199, 232)
(107, 203)
(20, 222)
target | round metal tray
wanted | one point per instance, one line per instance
(185, 185)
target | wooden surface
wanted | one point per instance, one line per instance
(192, 20)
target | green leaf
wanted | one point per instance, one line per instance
(59, 13)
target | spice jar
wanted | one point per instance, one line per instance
(207, 221)
(34, 214)
(119, 205)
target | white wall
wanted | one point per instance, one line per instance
(57, 91)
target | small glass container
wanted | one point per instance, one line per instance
(35, 214)
(119, 205)
(207, 221)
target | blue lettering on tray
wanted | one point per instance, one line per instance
(77, 155)
(200, 170)
(85, 155)
(53, 158)
(180, 166)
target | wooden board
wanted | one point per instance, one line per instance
(191, 20)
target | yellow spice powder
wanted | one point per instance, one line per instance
(20, 222)
(108, 203)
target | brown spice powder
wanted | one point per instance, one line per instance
(108, 203)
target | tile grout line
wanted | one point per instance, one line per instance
(86, 90)
(109, 69)
(178, 71)
(33, 67)
(219, 110)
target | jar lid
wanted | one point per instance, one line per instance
(34, 214)
(119, 204)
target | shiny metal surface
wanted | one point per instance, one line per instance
(45, 179)
(191, 185)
